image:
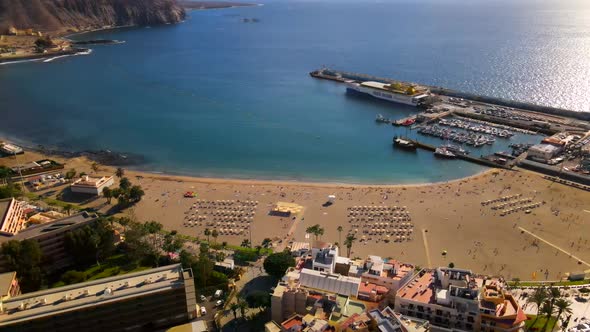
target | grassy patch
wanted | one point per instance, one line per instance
(112, 266)
(547, 284)
(537, 325)
(62, 204)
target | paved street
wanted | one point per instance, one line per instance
(580, 306)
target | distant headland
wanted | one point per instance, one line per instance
(38, 30)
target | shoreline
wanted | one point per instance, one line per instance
(475, 236)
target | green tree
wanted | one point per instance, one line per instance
(245, 243)
(316, 230)
(451, 265)
(215, 234)
(348, 242)
(563, 307)
(277, 264)
(120, 172)
(138, 248)
(124, 184)
(207, 233)
(243, 307)
(340, 229)
(172, 243)
(136, 193)
(234, 307)
(73, 277)
(25, 258)
(95, 167)
(10, 190)
(258, 299)
(88, 244)
(71, 174)
(108, 194)
(538, 297)
(5, 174)
(266, 242)
(68, 208)
(547, 310)
(44, 42)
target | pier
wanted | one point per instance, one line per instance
(343, 76)
(480, 161)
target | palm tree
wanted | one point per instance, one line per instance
(95, 167)
(207, 233)
(108, 194)
(120, 172)
(538, 297)
(243, 305)
(340, 229)
(320, 232)
(234, 307)
(350, 238)
(547, 310)
(215, 234)
(554, 294)
(68, 208)
(563, 306)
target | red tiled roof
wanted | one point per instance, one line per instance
(368, 287)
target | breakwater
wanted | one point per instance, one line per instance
(342, 76)
(480, 161)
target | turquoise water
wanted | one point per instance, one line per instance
(215, 96)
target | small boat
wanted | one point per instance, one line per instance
(444, 153)
(455, 149)
(382, 119)
(404, 143)
(409, 122)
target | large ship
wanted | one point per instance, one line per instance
(402, 93)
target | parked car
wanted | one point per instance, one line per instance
(218, 293)
(203, 298)
(203, 311)
(219, 303)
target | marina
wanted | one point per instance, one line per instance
(464, 119)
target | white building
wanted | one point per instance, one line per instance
(90, 185)
(543, 152)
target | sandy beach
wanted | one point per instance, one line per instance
(548, 240)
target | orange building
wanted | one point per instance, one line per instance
(12, 216)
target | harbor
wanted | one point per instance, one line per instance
(504, 134)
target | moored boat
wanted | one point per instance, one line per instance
(404, 143)
(442, 152)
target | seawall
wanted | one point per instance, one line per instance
(342, 76)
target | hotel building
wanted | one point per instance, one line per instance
(458, 300)
(143, 301)
(12, 216)
(51, 239)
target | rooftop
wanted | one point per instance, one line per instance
(419, 289)
(333, 283)
(88, 294)
(4, 205)
(5, 282)
(88, 181)
(292, 323)
(53, 226)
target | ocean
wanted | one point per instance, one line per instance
(224, 95)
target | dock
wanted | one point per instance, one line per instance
(480, 161)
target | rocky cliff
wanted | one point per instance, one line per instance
(62, 15)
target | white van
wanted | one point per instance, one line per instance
(218, 293)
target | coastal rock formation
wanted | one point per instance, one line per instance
(74, 15)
